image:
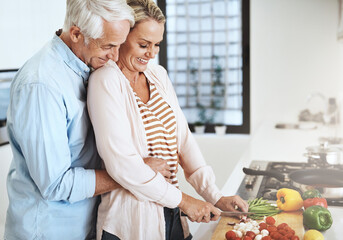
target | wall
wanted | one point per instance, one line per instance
(221, 153)
(294, 51)
(25, 27)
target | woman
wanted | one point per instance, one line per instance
(135, 114)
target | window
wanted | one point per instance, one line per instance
(206, 53)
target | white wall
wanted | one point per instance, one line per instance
(294, 51)
(221, 153)
(25, 26)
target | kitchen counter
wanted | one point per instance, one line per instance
(271, 144)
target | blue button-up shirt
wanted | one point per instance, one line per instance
(51, 182)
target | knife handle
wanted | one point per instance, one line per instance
(185, 215)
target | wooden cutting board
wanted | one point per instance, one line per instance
(293, 219)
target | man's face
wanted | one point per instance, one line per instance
(98, 51)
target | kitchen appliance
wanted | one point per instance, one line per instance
(267, 186)
(325, 153)
(6, 77)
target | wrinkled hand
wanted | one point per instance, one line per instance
(197, 210)
(232, 203)
(159, 165)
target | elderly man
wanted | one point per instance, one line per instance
(52, 181)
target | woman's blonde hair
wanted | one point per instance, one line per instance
(146, 9)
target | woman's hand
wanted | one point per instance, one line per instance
(232, 203)
(159, 165)
(197, 210)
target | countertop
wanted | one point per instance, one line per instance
(271, 144)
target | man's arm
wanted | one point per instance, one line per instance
(104, 183)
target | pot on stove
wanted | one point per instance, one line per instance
(325, 153)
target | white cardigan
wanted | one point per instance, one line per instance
(136, 210)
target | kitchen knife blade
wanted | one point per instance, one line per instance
(231, 214)
(226, 214)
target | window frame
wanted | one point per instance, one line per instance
(230, 129)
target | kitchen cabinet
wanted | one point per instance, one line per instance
(270, 144)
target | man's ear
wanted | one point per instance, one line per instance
(75, 34)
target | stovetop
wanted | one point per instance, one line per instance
(267, 187)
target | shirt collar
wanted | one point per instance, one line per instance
(78, 66)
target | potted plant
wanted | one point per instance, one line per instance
(220, 128)
(199, 127)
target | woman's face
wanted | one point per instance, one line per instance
(141, 45)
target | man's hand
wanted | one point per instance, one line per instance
(159, 165)
(232, 203)
(197, 210)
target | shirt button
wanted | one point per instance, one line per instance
(80, 73)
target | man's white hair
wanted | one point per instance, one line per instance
(89, 15)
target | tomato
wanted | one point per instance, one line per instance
(271, 229)
(295, 238)
(282, 232)
(282, 225)
(277, 235)
(230, 235)
(247, 238)
(289, 235)
(250, 234)
(237, 238)
(266, 238)
(274, 235)
(270, 220)
(284, 238)
(263, 226)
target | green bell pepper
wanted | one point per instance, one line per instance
(317, 217)
(313, 193)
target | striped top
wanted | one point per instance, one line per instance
(160, 129)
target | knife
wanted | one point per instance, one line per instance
(226, 214)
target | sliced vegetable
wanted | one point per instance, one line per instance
(317, 217)
(289, 199)
(262, 208)
(313, 193)
(315, 201)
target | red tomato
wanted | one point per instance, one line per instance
(263, 226)
(250, 234)
(247, 238)
(266, 238)
(270, 220)
(282, 225)
(230, 235)
(282, 232)
(295, 238)
(277, 235)
(273, 235)
(237, 238)
(289, 235)
(272, 229)
(284, 238)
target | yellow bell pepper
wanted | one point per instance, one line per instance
(313, 235)
(288, 199)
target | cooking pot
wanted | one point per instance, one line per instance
(325, 153)
(328, 181)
